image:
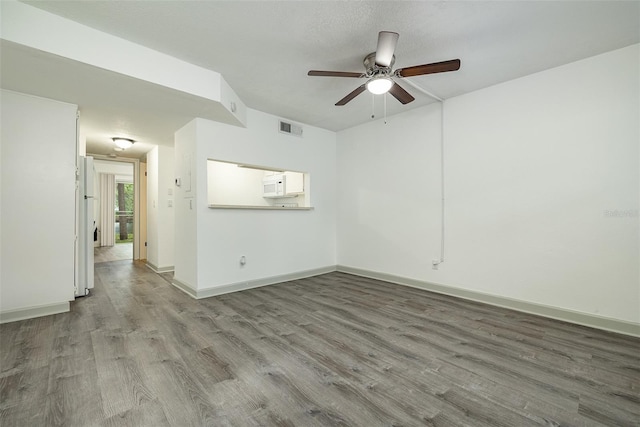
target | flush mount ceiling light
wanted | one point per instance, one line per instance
(379, 85)
(123, 143)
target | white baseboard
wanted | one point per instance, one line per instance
(577, 317)
(187, 289)
(159, 270)
(32, 312)
(241, 286)
(571, 316)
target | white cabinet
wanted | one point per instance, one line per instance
(295, 182)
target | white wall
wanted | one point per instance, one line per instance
(38, 202)
(186, 233)
(227, 184)
(274, 242)
(123, 171)
(152, 207)
(97, 212)
(142, 180)
(534, 168)
(389, 193)
(166, 215)
(160, 210)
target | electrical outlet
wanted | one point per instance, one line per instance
(435, 263)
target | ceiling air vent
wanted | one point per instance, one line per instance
(290, 128)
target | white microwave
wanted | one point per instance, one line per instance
(274, 186)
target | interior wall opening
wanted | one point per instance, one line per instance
(115, 210)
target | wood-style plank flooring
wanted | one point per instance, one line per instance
(330, 350)
(117, 252)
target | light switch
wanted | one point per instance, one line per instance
(170, 203)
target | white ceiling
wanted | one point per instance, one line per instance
(264, 49)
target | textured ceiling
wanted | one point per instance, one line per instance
(264, 49)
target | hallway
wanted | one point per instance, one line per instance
(117, 252)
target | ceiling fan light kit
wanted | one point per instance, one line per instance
(379, 71)
(379, 85)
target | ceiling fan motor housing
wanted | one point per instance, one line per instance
(375, 69)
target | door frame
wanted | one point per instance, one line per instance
(136, 197)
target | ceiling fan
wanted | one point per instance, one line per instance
(379, 73)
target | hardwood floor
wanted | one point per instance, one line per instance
(331, 350)
(117, 252)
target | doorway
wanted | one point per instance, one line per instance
(115, 210)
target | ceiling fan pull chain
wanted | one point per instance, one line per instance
(373, 106)
(385, 108)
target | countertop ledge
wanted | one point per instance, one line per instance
(266, 208)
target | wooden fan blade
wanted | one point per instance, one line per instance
(352, 95)
(387, 42)
(400, 94)
(436, 67)
(334, 74)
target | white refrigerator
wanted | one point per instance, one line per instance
(86, 227)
